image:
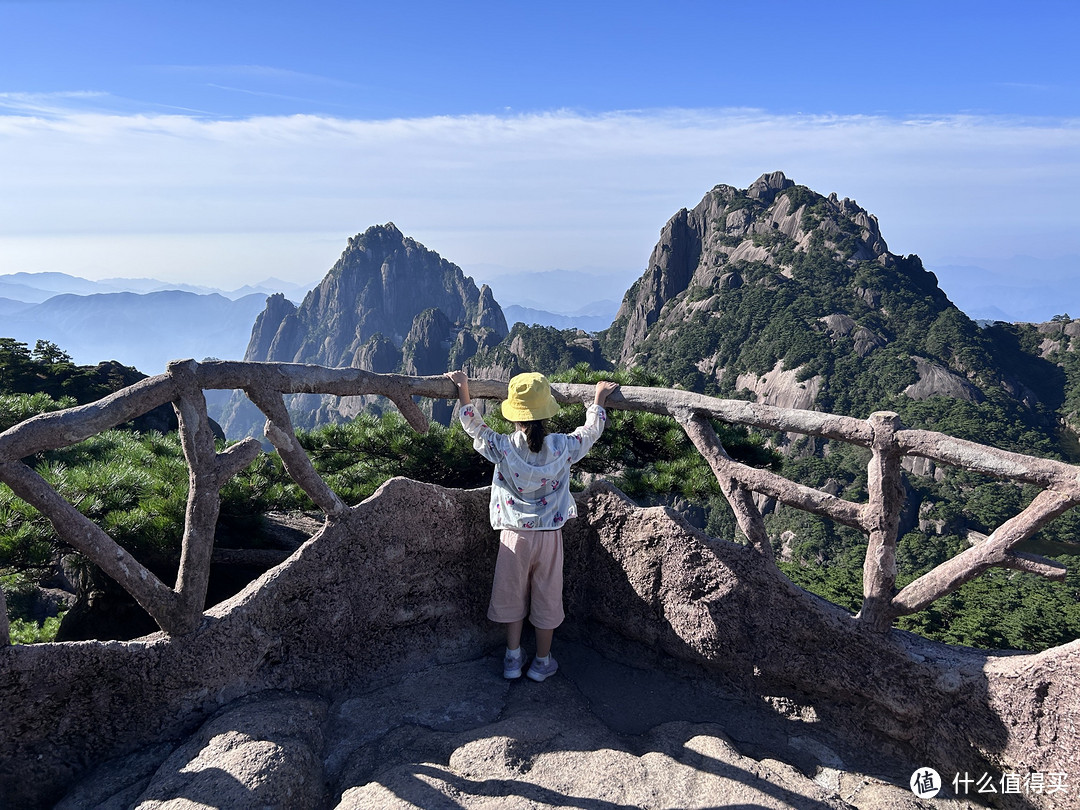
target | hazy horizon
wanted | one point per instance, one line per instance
(221, 144)
(1011, 298)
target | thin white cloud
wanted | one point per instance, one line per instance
(256, 72)
(48, 104)
(268, 94)
(63, 105)
(536, 191)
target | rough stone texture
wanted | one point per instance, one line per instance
(427, 346)
(459, 735)
(260, 752)
(865, 340)
(924, 467)
(545, 761)
(935, 381)
(372, 602)
(766, 186)
(379, 354)
(781, 387)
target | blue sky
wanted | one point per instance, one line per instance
(225, 142)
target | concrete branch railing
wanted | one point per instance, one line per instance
(179, 609)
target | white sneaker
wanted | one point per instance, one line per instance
(539, 670)
(512, 665)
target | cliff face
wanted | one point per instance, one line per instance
(784, 296)
(767, 224)
(381, 284)
(1059, 343)
(388, 305)
(276, 328)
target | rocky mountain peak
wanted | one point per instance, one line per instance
(388, 304)
(766, 292)
(766, 186)
(489, 314)
(268, 324)
(382, 281)
(732, 236)
(375, 235)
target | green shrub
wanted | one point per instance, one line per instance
(29, 632)
(16, 408)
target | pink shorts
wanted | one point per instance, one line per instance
(528, 578)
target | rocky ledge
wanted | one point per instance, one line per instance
(361, 672)
(599, 734)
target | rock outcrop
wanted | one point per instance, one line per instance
(276, 328)
(388, 304)
(1059, 343)
(532, 348)
(343, 677)
(781, 387)
(865, 340)
(704, 246)
(381, 283)
(935, 381)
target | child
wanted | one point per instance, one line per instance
(530, 501)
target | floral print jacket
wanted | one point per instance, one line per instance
(532, 490)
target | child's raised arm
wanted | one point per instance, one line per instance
(604, 389)
(461, 380)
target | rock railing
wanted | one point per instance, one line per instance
(178, 609)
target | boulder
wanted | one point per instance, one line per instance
(937, 381)
(781, 387)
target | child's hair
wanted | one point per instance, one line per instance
(534, 434)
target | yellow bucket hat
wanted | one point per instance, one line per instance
(529, 398)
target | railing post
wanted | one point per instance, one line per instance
(204, 501)
(886, 499)
(207, 473)
(82, 534)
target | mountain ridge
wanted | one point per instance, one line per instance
(596, 316)
(786, 296)
(144, 330)
(39, 287)
(388, 304)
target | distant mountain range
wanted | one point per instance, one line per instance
(592, 318)
(1015, 289)
(142, 330)
(35, 288)
(140, 322)
(147, 322)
